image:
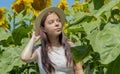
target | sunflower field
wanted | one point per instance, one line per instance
(93, 25)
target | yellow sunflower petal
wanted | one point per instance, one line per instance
(4, 26)
(28, 1)
(35, 12)
(63, 5)
(2, 19)
(76, 6)
(65, 30)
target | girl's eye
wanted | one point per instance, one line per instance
(58, 20)
(50, 22)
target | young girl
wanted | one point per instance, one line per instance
(53, 54)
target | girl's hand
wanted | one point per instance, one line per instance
(35, 37)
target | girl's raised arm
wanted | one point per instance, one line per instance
(28, 55)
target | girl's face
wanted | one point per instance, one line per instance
(53, 25)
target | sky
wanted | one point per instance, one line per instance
(7, 3)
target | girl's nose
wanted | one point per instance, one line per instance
(56, 23)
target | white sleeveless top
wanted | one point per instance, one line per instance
(57, 56)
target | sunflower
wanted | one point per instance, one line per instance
(1, 16)
(63, 5)
(35, 5)
(2, 19)
(38, 5)
(28, 1)
(84, 7)
(20, 5)
(81, 7)
(65, 30)
(76, 6)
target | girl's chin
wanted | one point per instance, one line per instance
(57, 33)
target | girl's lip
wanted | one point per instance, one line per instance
(58, 29)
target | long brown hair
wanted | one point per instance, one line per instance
(45, 42)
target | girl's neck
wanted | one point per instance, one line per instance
(54, 41)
